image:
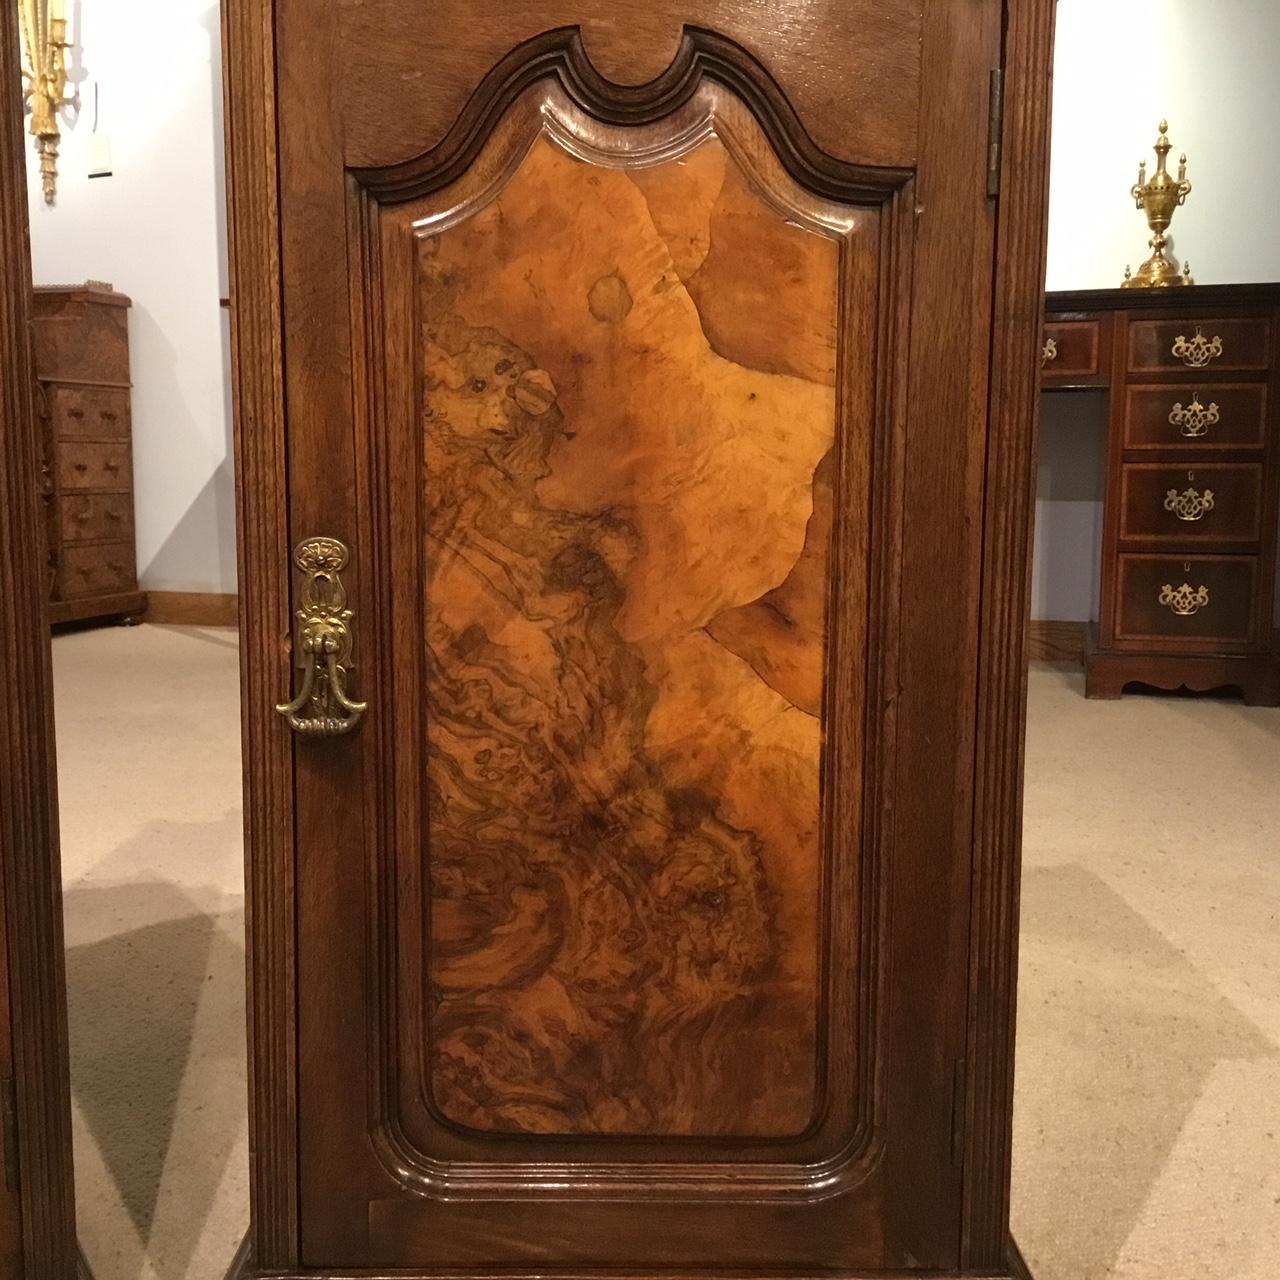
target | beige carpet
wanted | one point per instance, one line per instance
(1148, 1126)
(149, 781)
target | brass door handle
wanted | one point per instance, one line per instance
(1049, 352)
(322, 644)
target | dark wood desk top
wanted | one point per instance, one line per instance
(1193, 298)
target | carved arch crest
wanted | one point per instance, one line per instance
(561, 55)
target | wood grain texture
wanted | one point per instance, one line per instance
(624, 914)
(1015, 1269)
(851, 114)
(441, 1160)
(30, 879)
(1049, 640)
(192, 609)
(262, 542)
(424, 1200)
(1005, 598)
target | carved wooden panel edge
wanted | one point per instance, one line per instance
(402, 1159)
(253, 225)
(29, 862)
(1005, 608)
(560, 53)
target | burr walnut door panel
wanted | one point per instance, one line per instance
(638, 355)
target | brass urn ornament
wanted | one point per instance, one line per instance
(1159, 197)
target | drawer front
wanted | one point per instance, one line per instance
(1207, 600)
(1202, 417)
(96, 465)
(98, 413)
(80, 341)
(96, 517)
(99, 570)
(1211, 502)
(1072, 352)
(1179, 346)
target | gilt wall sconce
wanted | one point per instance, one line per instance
(44, 74)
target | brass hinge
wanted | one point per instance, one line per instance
(9, 1105)
(995, 130)
(958, 1112)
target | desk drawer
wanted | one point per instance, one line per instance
(1199, 416)
(95, 465)
(1209, 502)
(96, 517)
(98, 570)
(100, 413)
(1179, 346)
(1208, 601)
(1072, 353)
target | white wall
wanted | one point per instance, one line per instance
(1121, 65)
(155, 230)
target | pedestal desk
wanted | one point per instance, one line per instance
(1189, 541)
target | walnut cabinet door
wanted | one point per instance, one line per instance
(613, 407)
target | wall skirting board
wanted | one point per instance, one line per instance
(192, 609)
(1052, 641)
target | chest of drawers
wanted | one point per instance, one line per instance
(1189, 540)
(81, 342)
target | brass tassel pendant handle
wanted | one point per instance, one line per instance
(322, 645)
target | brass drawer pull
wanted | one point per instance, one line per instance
(322, 645)
(1185, 600)
(1195, 420)
(1199, 351)
(1049, 352)
(1189, 504)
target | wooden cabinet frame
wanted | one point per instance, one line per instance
(38, 1192)
(982, 1126)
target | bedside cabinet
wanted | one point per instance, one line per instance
(1189, 541)
(81, 343)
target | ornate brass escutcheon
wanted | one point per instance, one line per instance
(1185, 600)
(1198, 352)
(322, 644)
(1049, 352)
(1195, 420)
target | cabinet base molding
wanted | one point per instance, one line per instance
(1009, 1272)
(1256, 676)
(242, 1269)
(127, 604)
(192, 609)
